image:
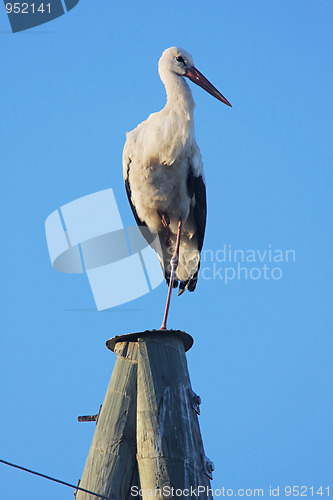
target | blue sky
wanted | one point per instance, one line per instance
(262, 357)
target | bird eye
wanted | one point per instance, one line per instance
(180, 59)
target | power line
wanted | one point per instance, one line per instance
(54, 479)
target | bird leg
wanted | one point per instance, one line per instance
(174, 265)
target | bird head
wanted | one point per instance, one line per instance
(180, 62)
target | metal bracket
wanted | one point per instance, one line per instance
(90, 418)
(209, 467)
(195, 401)
(76, 490)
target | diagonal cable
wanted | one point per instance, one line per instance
(54, 479)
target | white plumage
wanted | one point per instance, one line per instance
(163, 170)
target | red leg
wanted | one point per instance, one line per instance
(174, 265)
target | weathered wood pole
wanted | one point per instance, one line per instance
(111, 463)
(147, 442)
(170, 452)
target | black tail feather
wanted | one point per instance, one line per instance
(190, 284)
(167, 279)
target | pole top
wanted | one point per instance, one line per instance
(132, 337)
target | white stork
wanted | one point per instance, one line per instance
(164, 175)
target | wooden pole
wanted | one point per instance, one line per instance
(147, 442)
(111, 463)
(170, 451)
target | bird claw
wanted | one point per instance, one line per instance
(164, 219)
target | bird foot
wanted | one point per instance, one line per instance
(164, 219)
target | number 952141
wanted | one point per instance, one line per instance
(28, 8)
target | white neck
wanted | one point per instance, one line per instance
(179, 95)
(178, 123)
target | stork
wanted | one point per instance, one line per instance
(164, 175)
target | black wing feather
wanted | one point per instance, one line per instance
(196, 188)
(129, 196)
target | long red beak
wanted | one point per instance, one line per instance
(196, 77)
